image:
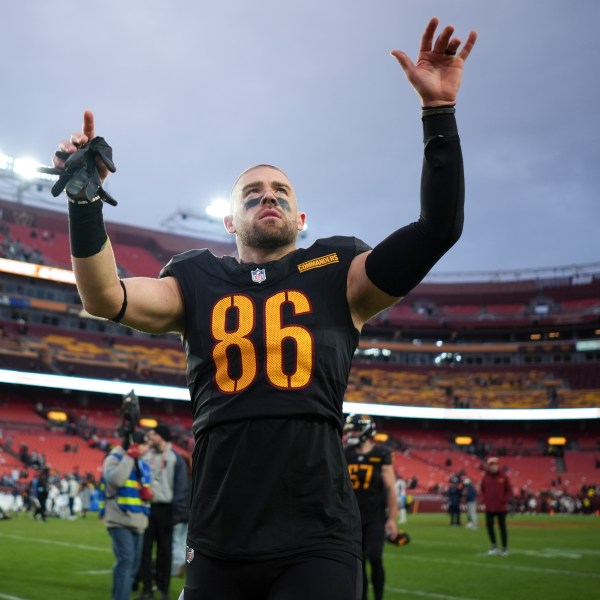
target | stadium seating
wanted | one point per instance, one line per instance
(582, 468)
(78, 457)
(517, 340)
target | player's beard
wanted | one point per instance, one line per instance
(267, 238)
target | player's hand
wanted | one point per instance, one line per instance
(437, 74)
(391, 527)
(78, 139)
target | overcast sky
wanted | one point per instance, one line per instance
(191, 93)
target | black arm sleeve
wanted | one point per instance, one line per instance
(402, 260)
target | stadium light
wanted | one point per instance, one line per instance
(59, 416)
(218, 208)
(23, 179)
(26, 168)
(557, 441)
(463, 440)
(23, 168)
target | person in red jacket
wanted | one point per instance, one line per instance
(496, 491)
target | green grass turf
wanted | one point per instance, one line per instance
(551, 558)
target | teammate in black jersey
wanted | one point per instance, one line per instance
(269, 338)
(373, 480)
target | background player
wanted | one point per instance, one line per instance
(373, 480)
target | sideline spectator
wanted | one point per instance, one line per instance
(496, 491)
(42, 487)
(73, 491)
(166, 502)
(402, 498)
(454, 494)
(470, 492)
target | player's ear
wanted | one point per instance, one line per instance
(301, 220)
(228, 222)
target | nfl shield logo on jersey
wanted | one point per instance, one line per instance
(258, 275)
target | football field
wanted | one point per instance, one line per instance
(551, 558)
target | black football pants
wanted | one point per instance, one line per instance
(331, 575)
(373, 538)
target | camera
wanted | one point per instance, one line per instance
(130, 416)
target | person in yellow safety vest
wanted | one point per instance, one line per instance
(125, 508)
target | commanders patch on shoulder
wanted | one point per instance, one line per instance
(315, 263)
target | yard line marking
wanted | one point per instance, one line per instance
(5, 597)
(53, 542)
(573, 553)
(425, 594)
(494, 564)
(589, 551)
(103, 572)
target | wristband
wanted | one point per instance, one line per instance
(86, 227)
(438, 110)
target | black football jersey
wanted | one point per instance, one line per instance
(269, 348)
(367, 481)
(268, 340)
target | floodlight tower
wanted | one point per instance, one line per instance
(20, 174)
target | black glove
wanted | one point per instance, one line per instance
(80, 177)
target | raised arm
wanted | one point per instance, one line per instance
(378, 278)
(151, 305)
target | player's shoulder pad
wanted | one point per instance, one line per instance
(178, 259)
(383, 450)
(343, 242)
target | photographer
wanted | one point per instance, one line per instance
(170, 488)
(127, 494)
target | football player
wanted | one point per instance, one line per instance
(373, 479)
(269, 337)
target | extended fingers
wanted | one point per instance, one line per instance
(427, 39)
(88, 124)
(77, 139)
(453, 46)
(443, 41)
(405, 62)
(464, 53)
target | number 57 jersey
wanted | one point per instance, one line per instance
(267, 340)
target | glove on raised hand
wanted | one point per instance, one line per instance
(80, 178)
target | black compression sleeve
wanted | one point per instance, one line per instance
(402, 260)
